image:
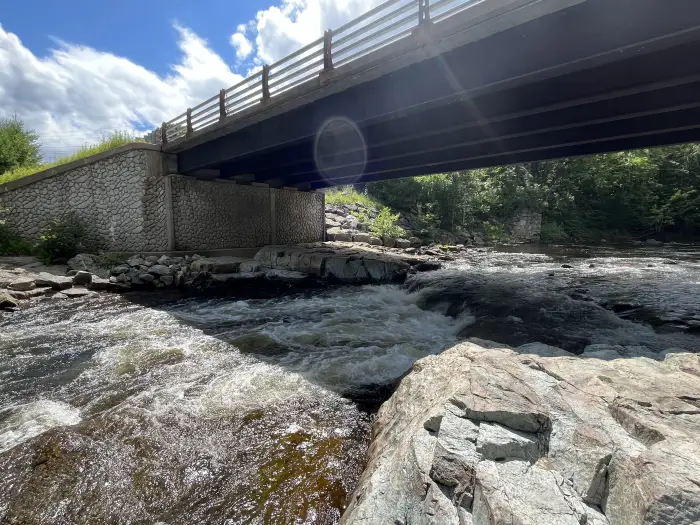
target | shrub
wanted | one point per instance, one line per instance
(553, 232)
(385, 225)
(11, 243)
(62, 239)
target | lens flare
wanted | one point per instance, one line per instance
(340, 151)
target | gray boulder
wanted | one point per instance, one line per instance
(167, 280)
(336, 234)
(403, 243)
(362, 237)
(146, 278)
(490, 435)
(375, 241)
(55, 282)
(389, 242)
(82, 278)
(23, 284)
(136, 260)
(99, 284)
(159, 269)
(119, 269)
(415, 242)
(85, 262)
(7, 302)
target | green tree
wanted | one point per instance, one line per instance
(18, 146)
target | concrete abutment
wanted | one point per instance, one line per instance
(128, 203)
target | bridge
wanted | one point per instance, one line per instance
(415, 87)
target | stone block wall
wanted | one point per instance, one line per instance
(219, 214)
(128, 204)
(526, 226)
(119, 196)
(299, 216)
(222, 214)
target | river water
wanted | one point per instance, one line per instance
(143, 409)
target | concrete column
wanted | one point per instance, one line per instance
(273, 217)
(169, 221)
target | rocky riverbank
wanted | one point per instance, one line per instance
(492, 435)
(273, 270)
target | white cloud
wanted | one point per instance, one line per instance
(77, 94)
(280, 30)
(241, 44)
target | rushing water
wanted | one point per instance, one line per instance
(143, 410)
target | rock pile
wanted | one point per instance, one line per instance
(488, 435)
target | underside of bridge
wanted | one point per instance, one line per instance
(598, 76)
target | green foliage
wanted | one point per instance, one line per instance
(114, 140)
(349, 195)
(19, 147)
(385, 225)
(10, 242)
(62, 239)
(627, 194)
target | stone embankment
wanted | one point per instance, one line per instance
(273, 270)
(351, 223)
(489, 435)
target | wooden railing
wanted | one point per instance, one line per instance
(387, 23)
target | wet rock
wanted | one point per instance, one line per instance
(123, 278)
(76, 292)
(22, 284)
(568, 266)
(82, 278)
(653, 242)
(7, 302)
(55, 282)
(427, 266)
(536, 436)
(104, 285)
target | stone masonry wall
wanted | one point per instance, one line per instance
(526, 226)
(210, 215)
(299, 216)
(120, 199)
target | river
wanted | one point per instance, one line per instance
(153, 409)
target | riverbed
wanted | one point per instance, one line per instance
(146, 409)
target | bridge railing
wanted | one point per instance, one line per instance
(389, 22)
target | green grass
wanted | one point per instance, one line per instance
(114, 140)
(348, 195)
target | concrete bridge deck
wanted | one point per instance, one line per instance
(513, 81)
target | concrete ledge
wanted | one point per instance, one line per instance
(52, 172)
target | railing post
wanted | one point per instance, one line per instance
(423, 12)
(327, 53)
(189, 130)
(222, 104)
(266, 82)
(163, 133)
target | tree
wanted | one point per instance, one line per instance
(18, 146)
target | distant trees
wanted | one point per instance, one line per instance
(581, 198)
(19, 146)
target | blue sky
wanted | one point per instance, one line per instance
(74, 70)
(140, 30)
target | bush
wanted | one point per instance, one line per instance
(11, 243)
(553, 232)
(385, 225)
(62, 239)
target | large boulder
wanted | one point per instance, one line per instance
(22, 284)
(490, 435)
(7, 302)
(336, 234)
(55, 282)
(85, 262)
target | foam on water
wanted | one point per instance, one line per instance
(29, 420)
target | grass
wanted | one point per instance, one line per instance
(349, 195)
(116, 139)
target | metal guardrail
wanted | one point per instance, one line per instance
(387, 23)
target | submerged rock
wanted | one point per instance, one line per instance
(536, 436)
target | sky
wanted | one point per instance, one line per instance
(75, 70)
